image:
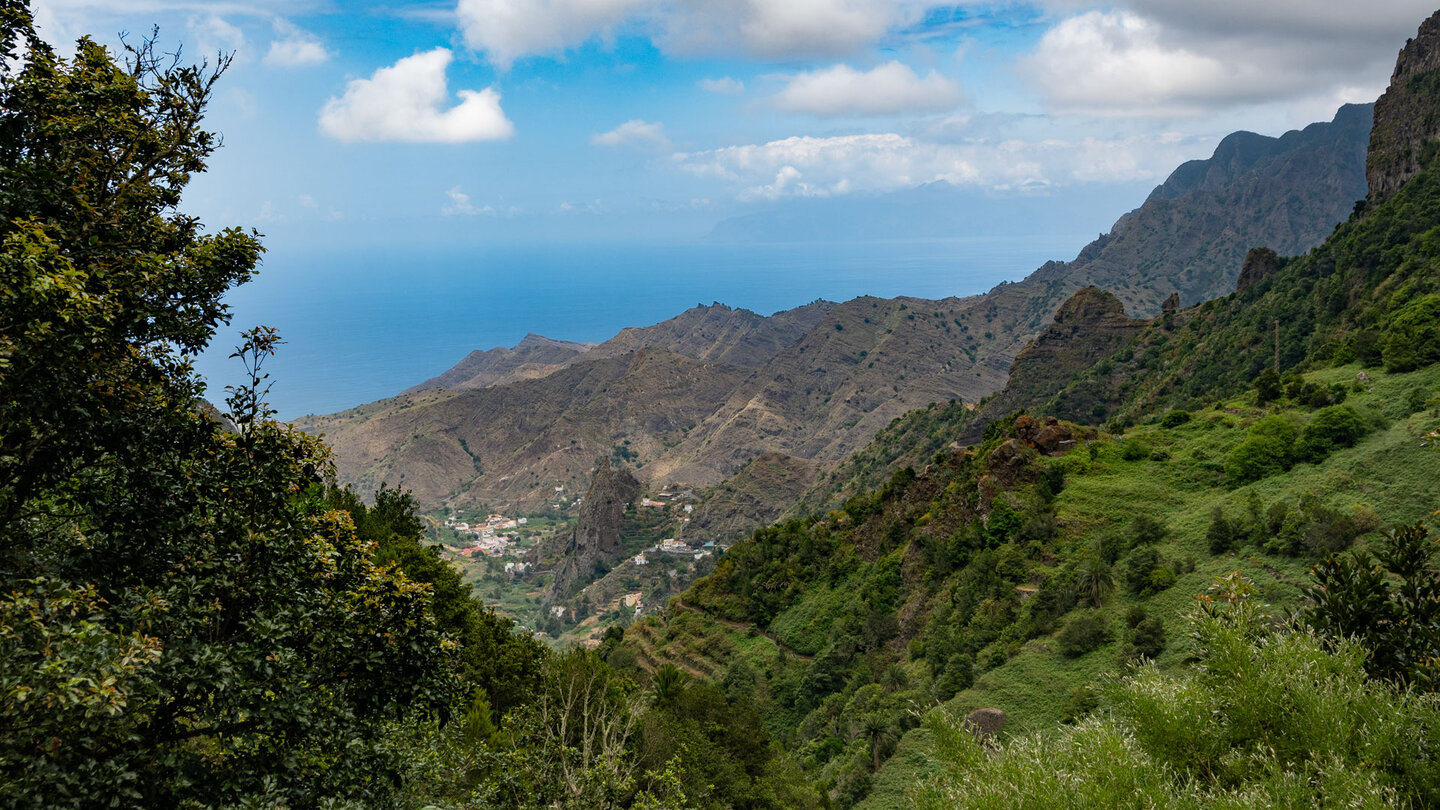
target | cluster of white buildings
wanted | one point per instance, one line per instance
(486, 535)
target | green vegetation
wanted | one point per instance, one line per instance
(1265, 717)
(193, 614)
(185, 623)
(1002, 577)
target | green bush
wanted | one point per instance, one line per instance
(1267, 449)
(1133, 450)
(1146, 530)
(1083, 632)
(1332, 428)
(1175, 419)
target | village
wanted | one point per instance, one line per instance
(493, 537)
(499, 554)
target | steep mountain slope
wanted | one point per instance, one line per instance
(1191, 235)
(818, 382)
(1406, 120)
(513, 444)
(1015, 574)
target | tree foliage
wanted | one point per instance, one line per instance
(185, 624)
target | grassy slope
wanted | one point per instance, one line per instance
(1388, 473)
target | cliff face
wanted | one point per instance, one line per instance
(1088, 327)
(596, 536)
(1407, 116)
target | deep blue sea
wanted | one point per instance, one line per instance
(363, 324)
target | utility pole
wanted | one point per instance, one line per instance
(1277, 346)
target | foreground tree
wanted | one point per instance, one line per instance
(181, 624)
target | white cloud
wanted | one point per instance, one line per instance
(212, 35)
(634, 133)
(1176, 57)
(769, 29)
(1291, 19)
(460, 205)
(509, 29)
(724, 86)
(888, 89)
(294, 47)
(406, 102)
(831, 166)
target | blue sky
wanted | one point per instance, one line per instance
(551, 119)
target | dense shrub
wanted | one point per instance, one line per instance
(1144, 636)
(1083, 632)
(1332, 428)
(1146, 530)
(1266, 450)
(1175, 419)
(1224, 533)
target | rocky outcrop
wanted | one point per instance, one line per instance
(1259, 263)
(985, 722)
(1407, 116)
(1089, 327)
(596, 536)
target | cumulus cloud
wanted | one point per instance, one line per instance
(507, 30)
(1176, 57)
(831, 166)
(725, 86)
(888, 89)
(407, 102)
(634, 133)
(1291, 19)
(294, 47)
(780, 30)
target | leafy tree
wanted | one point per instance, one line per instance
(1267, 386)
(184, 623)
(1412, 337)
(493, 656)
(1223, 533)
(1390, 602)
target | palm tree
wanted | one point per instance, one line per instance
(876, 726)
(1094, 579)
(668, 683)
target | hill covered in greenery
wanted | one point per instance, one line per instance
(1255, 450)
